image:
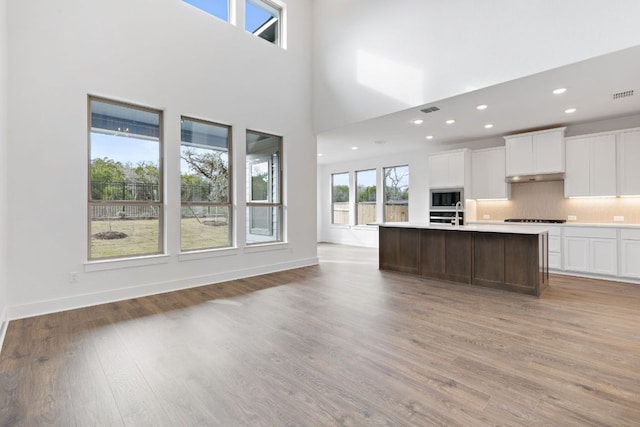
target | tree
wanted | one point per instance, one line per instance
(214, 170)
(366, 194)
(396, 183)
(194, 187)
(146, 177)
(107, 179)
(146, 172)
(340, 193)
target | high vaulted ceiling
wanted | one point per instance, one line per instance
(512, 107)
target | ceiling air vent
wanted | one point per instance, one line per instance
(624, 94)
(430, 110)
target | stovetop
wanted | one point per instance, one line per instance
(536, 220)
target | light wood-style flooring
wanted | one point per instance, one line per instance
(339, 344)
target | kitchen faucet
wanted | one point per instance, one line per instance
(456, 220)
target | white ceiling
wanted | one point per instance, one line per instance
(513, 107)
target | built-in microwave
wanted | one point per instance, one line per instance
(445, 199)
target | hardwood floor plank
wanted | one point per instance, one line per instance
(342, 343)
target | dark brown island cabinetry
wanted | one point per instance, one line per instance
(512, 261)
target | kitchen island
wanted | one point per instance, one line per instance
(511, 258)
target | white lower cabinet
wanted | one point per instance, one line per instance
(576, 253)
(630, 253)
(604, 259)
(555, 249)
(591, 250)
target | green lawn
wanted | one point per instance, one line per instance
(143, 237)
(195, 235)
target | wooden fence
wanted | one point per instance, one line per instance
(366, 213)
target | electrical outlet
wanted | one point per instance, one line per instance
(572, 218)
(486, 216)
(73, 277)
(618, 218)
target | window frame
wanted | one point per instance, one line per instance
(279, 204)
(160, 203)
(357, 202)
(229, 203)
(269, 6)
(333, 222)
(384, 191)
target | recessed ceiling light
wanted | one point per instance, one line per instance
(570, 110)
(450, 121)
(559, 91)
(319, 154)
(354, 148)
(418, 121)
(429, 136)
(482, 107)
(488, 126)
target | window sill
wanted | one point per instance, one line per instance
(366, 227)
(207, 254)
(115, 264)
(266, 247)
(340, 226)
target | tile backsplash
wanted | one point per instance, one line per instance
(546, 200)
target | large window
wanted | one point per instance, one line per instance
(340, 198)
(205, 153)
(264, 188)
(366, 196)
(264, 19)
(125, 180)
(396, 194)
(218, 8)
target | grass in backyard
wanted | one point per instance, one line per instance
(199, 235)
(142, 237)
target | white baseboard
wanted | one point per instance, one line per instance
(595, 276)
(86, 300)
(4, 324)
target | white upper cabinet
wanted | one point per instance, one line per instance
(628, 168)
(450, 169)
(535, 152)
(519, 158)
(591, 166)
(488, 173)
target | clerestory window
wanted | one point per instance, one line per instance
(217, 8)
(265, 19)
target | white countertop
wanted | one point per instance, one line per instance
(564, 224)
(485, 228)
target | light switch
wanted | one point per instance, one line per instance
(618, 218)
(572, 218)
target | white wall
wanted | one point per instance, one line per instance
(4, 227)
(374, 57)
(164, 54)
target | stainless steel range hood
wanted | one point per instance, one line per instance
(535, 178)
